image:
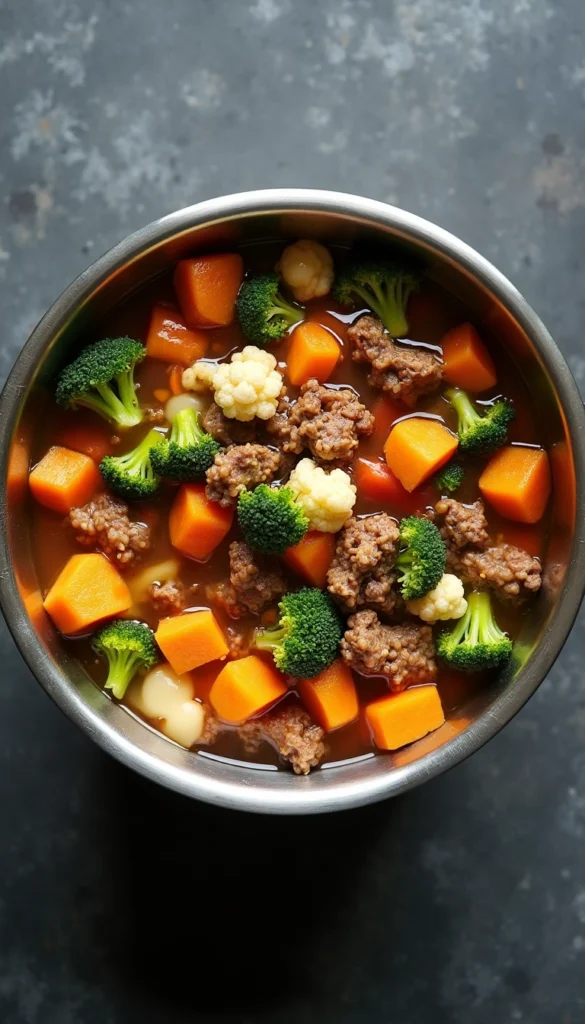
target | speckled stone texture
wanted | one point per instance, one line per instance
(464, 901)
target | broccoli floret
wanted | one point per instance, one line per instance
(102, 378)
(271, 519)
(476, 642)
(127, 646)
(449, 478)
(421, 559)
(306, 638)
(131, 475)
(188, 452)
(263, 313)
(480, 434)
(383, 285)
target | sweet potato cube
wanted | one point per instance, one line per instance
(87, 590)
(416, 448)
(516, 482)
(196, 524)
(190, 640)
(244, 688)
(402, 718)
(170, 340)
(64, 479)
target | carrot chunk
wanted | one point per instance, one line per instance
(87, 590)
(196, 524)
(207, 288)
(516, 482)
(312, 556)
(331, 697)
(467, 362)
(313, 352)
(377, 482)
(402, 718)
(170, 340)
(176, 379)
(244, 688)
(190, 640)
(416, 448)
(64, 479)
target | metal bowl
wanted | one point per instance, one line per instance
(492, 301)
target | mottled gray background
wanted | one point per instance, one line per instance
(464, 901)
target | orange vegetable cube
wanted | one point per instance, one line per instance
(313, 352)
(244, 688)
(312, 556)
(170, 340)
(416, 448)
(331, 697)
(190, 640)
(466, 361)
(402, 718)
(196, 524)
(64, 479)
(207, 288)
(86, 591)
(176, 379)
(517, 483)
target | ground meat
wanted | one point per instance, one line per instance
(291, 730)
(238, 643)
(360, 573)
(508, 570)
(104, 522)
(227, 431)
(212, 727)
(405, 653)
(240, 467)
(329, 422)
(252, 584)
(463, 525)
(155, 416)
(167, 598)
(405, 371)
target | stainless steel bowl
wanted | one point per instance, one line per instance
(494, 302)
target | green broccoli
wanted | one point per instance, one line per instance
(383, 285)
(263, 313)
(480, 434)
(476, 642)
(127, 646)
(270, 519)
(306, 638)
(449, 478)
(102, 378)
(188, 452)
(131, 475)
(422, 558)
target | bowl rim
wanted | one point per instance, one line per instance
(298, 798)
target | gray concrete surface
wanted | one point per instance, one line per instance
(465, 901)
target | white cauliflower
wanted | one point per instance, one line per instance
(326, 498)
(446, 601)
(247, 386)
(307, 268)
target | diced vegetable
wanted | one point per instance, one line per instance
(160, 572)
(416, 448)
(244, 688)
(176, 379)
(87, 590)
(207, 288)
(162, 394)
(405, 717)
(331, 697)
(170, 340)
(190, 640)
(165, 696)
(64, 479)
(466, 361)
(377, 482)
(312, 556)
(517, 483)
(313, 352)
(196, 524)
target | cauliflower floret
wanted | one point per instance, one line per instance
(326, 498)
(247, 386)
(307, 268)
(446, 601)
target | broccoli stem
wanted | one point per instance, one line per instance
(127, 392)
(124, 411)
(186, 430)
(283, 309)
(270, 637)
(463, 406)
(388, 303)
(122, 666)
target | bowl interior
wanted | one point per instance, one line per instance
(491, 301)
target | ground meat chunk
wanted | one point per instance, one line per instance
(167, 598)
(227, 431)
(405, 653)
(360, 574)
(511, 572)
(212, 727)
(329, 422)
(104, 523)
(463, 525)
(252, 584)
(238, 643)
(240, 467)
(405, 371)
(292, 731)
